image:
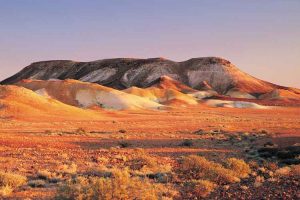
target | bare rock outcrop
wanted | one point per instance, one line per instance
(211, 73)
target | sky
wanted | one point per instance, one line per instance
(261, 37)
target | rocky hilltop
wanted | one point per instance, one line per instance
(122, 73)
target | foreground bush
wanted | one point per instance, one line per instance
(239, 167)
(120, 186)
(204, 175)
(5, 191)
(145, 163)
(293, 170)
(197, 167)
(197, 189)
(10, 181)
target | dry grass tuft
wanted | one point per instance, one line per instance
(120, 186)
(259, 181)
(44, 174)
(5, 191)
(145, 163)
(239, 167)
(197, 189)
(197, 167)
(293, 170)
(283, 171)
(10, 181)
(68, 168)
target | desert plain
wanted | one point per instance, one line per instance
(69, 130)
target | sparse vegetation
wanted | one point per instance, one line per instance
(68, 168)
(10, 181)
(293, 170)
(197, 167)
(82, 163)
(120, 186)
(239, 167)
(44, 174)
(5, 191)
(197, 189)
(145, 163)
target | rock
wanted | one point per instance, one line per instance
(121, 73)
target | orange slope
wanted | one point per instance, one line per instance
(23, 104)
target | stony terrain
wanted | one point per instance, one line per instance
(49, 152)
(155, 129)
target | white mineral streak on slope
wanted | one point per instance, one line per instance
(55, 75)
(42, 92)
(114, 100)
(234, 104)
(159, 71)
(151, 71)
(203, 94)
(99, 75)
(37, 75)
(161, 95)
(239, 94)
(131, 74)
(215, 75)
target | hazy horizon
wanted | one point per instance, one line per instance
(260, 38)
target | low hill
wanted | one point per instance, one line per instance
(86, 95)
(24, 104)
